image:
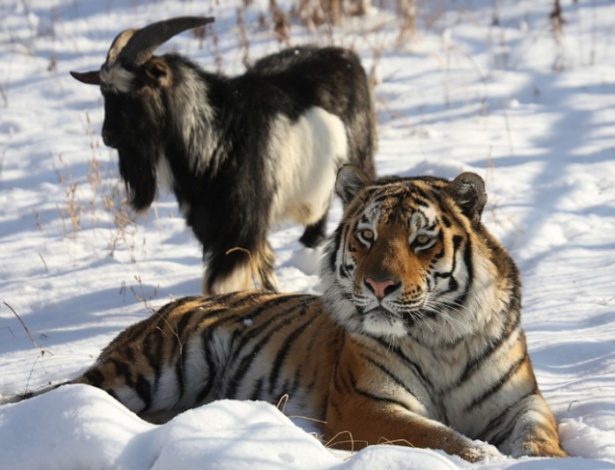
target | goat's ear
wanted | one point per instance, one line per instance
(89, 78)
(350, 181)
(468, 191)
(157, 71)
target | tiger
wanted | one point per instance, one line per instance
(416, 339)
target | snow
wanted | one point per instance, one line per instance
(531, 111)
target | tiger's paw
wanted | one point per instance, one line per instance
(540, 449)
(479, 450)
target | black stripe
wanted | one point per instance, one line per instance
(212, 306)
(94, 377)
(283, 351)
(421, 203)
(249, 358)
(124, 371)
(152, 350)
(514, 367)
(296, 381)
(129, 354)
(166, 309)
(208, 334)
(416, 190)
(387, 372)
(179, 375)
(153, 346)
(386, 181)
(182, 324)
(333, 342)
(406, 360)
(179, 367)
(265, 308)
(498, 438)
(183, 301)
(176, 338)
(287, 388)
(332, 252)
(474, 364)
(467, 258)
(211, 368)
(453, 284)
(373, 396)
(377, 199)
(258, 389)
(131, 334)
(499, 420)
(144, 390)
(445, 275)
(252, 333)
(437, 193)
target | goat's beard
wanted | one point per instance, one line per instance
(138, 170)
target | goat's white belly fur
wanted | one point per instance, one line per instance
(304, 157)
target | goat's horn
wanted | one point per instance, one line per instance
(89, 78)
(142, 43)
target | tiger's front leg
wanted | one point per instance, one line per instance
(534, 430)
(367, 406)
(355, 423)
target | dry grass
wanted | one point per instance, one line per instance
(97, 199)
(142, 296)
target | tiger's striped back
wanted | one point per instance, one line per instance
(246, 345)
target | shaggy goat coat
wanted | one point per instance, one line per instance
(241, 154)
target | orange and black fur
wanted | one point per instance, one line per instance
(416, 340)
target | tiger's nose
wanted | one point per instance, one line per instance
(382, 288)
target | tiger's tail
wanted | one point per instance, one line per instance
(27, 395)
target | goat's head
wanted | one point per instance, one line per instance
(132, 80)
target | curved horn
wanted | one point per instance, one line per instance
(89, 78)
(140, 44)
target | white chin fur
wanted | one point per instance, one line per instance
(380, 324)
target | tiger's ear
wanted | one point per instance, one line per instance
(350, 181)
(468, 191)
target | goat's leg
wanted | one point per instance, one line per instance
(263, 263)
(315, 233)
(239, 268)
(226, 272)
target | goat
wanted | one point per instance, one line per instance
(241, 154)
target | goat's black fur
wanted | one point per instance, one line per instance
(216, 142)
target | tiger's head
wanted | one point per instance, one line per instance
(411, 258)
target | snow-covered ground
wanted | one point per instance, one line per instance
(484, 86)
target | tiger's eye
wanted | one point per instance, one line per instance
(421, 240)
(367, 234)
